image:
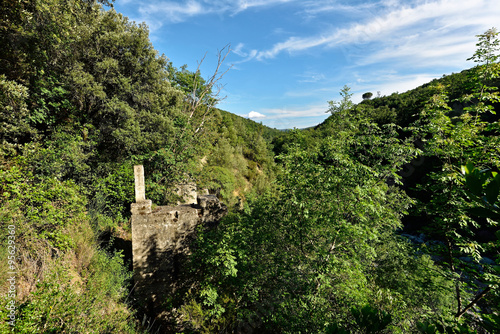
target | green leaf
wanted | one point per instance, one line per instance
(492, 190)
(467, 169)
(482, 212)
(496, 177)
(474, 184)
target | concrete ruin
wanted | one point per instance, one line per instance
(161, 239)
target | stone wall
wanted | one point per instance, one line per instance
(161, 241)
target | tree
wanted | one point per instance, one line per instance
(483, 188)
(456, 141)
(367, 96)
(344, 104)
(298, 259)
(13, 112)
(174, 161)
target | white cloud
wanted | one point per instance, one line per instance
(247, 56)
(175, 12)
(447, 50)
(296, 116)
(241, 5)
(316, 7)
(439, 20)
(393, 35)
(254, 114)
(172, 11)
(311, 77)
(297, 111)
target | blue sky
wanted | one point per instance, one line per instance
(290, 57)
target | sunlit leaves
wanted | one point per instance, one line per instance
(459, 141)
(484, 188)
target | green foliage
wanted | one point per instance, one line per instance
(65, 156)
(116, 191)
(454, 140)
(84, 96)
(237, 146)
(78, 287)
(61, 304)
(191, 83)
(414, 281)
(220, 180)
(381, 115)
(51, 104)
(302, 257)
(93, 69)
(367, 95)
(165, 169)
(484, 188)
(43, 208)
(13, 111)
(436, 328)
(344, 105)
(371, 320)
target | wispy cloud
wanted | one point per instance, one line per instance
(377, 45)
(311, 77)
(241, 5)
(400, 25)
(315, 7)
(172, 11)
(297, 111)
(386, 83)
(444, 50)
(294, 44)
(296, 117)
(245, 55)
(175, 11)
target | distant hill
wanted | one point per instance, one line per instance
(404, 108)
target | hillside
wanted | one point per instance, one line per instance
(382, 219)
(84, 96)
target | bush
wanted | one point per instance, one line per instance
(63, 302)
(65, 283)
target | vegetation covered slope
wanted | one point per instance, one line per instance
(83, 97)
(323, 251)
(312, 242)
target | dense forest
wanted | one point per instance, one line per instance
(382, 219)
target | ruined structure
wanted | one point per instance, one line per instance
(161, 240)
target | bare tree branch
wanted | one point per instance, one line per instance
(202, 100)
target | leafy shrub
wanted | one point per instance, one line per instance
(115, 192)
(41, 208)
(69, 285)
(65, 303)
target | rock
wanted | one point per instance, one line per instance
(487, 261)
(187, 192)
(466, 259)
(212, 209)
(415, 239)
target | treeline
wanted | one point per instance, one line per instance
(384, 219)
(83, 97)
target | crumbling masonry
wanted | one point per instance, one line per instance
(161, 239)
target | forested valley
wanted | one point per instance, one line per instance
(382, 219)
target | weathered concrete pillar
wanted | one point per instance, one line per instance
(141, 205)
(140, 188)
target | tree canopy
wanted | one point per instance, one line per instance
(329, 230)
